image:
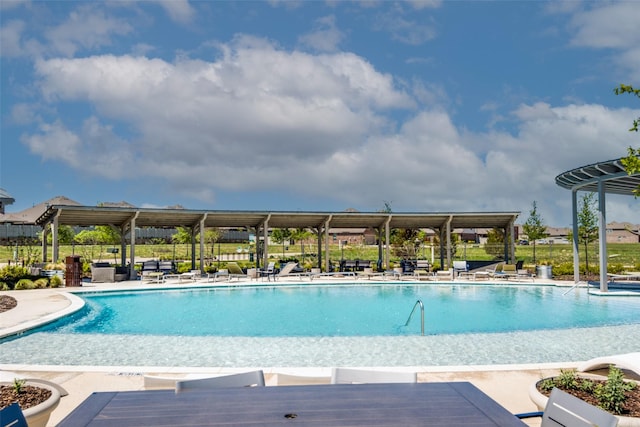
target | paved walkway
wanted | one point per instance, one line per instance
(509, 385)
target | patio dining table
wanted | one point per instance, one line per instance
(419, 404)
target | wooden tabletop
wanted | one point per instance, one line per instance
(421, 404)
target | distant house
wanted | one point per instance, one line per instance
(623, 232)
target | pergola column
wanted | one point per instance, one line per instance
(576, 237)
(132, 234)
(45, 233)
(54, 237)
(265, 234)
(327, 259)
(387, 239)
(602, 236)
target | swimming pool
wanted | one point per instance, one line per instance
(336, 325)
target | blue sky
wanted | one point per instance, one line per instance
(430, 106)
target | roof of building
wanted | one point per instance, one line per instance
(154, 217)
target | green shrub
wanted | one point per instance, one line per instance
(547, 384)
(611, 394)
(24, 284)
(55, 281)
(4, 287)
(11, 274)
(567, 379)
(41, 283)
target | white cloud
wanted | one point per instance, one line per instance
(95, 148)
(325, 37)
(614, 25)
(611, 26)
(10, 36)
(178, 10)
(87, 27)
(259, 118)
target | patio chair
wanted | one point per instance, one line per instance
(460, 269)
(269, 271)
(563, 409)
(12, 416)
(245, 379)
(361, 376)
(235, 271)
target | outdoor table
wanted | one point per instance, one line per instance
(418, 404)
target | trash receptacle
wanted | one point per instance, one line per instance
(73, 271)
(544, 272)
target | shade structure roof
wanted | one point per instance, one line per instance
(611, 172)
(171, 218)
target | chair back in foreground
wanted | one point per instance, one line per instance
(245, 379)
(563, 409)
(360, 376)
(12, 416)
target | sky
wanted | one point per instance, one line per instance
(423, 106)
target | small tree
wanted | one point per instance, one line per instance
(632, 161)
(587, 224)
(280, 236)
(211, 236)
(534, 228)
(495, 243)
(182, 236)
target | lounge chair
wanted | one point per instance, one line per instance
(288, 271)
(508, 272)
(628, 361)
(222, 273)
(192, 275)
(633, 275)
(563, 409)
(488, 273)
(361, 376)
(235, 271)
(246, 379)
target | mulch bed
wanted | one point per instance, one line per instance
(28, 397)
(631, 406)
(7, 303)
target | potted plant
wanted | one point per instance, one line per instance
(37, 399)
(615, 394)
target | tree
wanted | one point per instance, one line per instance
(182, 236)
(281, 235)
(632, 161)
(211, 236)
(587, 224)
(495, 243)
(65, 235)
(300, 235)
(534, 228)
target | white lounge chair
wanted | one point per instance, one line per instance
(246, 379)
(361, 376)
(628, 361)
(563, 409)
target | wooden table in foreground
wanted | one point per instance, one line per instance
(422, 404)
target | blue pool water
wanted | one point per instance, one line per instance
(332, 325)
(346, 311)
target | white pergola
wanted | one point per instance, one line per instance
(603, 177)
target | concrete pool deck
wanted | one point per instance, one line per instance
(507, 384)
